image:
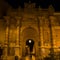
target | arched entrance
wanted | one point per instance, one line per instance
(30, 41)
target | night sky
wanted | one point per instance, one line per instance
(42, 3)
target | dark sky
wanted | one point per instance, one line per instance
(42, 3)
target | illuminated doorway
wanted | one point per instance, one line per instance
(30, 47)
(30, 44)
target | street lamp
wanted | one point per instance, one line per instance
(29, 41)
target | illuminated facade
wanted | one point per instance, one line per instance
(40, 25)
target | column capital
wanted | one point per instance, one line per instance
(7, 18)
(18, 20)
(17, 17)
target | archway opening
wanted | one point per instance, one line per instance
(30, 44)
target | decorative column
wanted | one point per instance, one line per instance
(40, 31)
(18, 32)
(39, 40)
(6, 42)
(41, 36)
(18, 40)
(51, 11)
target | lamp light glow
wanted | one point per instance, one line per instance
(29, 41)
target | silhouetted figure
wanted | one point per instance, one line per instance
(1, 53)
(16, 57)
(47, 58)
